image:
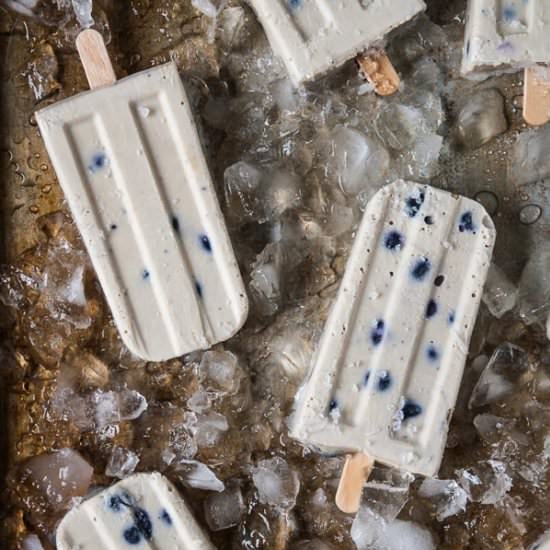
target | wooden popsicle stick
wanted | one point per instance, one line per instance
(536, 95)
(377, 68)
(95, 59)
(357, 470)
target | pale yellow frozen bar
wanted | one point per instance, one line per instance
(389, 364)
(130, 163)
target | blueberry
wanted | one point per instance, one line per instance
(431, 309)
(99, 161)
(384, 380)
(143, 522)
(132, 535)
(414, 204)
(466, 222)
(165, 516)
(432, 353)
(451, 317)
(421, 268)
(410, 409)
(377, 332)
(115, 503)
(205, 243)
(394, 240)
(145, 274)
(113, 226)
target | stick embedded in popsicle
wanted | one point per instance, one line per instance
(130, 163)
(536, 95)
(509, 36)
(377, 68)
(313, 37)
(386, 374)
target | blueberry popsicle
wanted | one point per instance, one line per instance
(509, 36)
(387, 371)
(313, 36)
(142, 511)
(130, 163)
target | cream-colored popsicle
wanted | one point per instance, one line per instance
(509, 36)
(142, 511)
(313, 36)
(389, 364)
(505, 35)
(130, 163)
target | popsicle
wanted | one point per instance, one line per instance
(542, 543)
(130, 163)
(508, 36)
(142, 511)
(386, 374)
(313, 36)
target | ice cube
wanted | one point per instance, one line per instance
(370, 531)
(218, 370)
(386, 492)
(398, 125)
(224, 510)
(531, 161)
(54, 479)
(488, 482)
(206, 6)
(122, 463)
(534, 286)
(208, 428)
(197, 475)
(276, 482)
(281, 192)
(504, 374)
(446, 495)
(31, 542)
(42, 71)
(131, 404)
(200, 401)
(242, 183)
(499, 294)
(83, 11)
(493, 429)
(265, 280)
(482, 118)
(357, 162)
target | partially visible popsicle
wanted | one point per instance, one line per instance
(130, 163)
(386, 375)
(142, 511)
(313, 36)
(542, 543)
(508, 36)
